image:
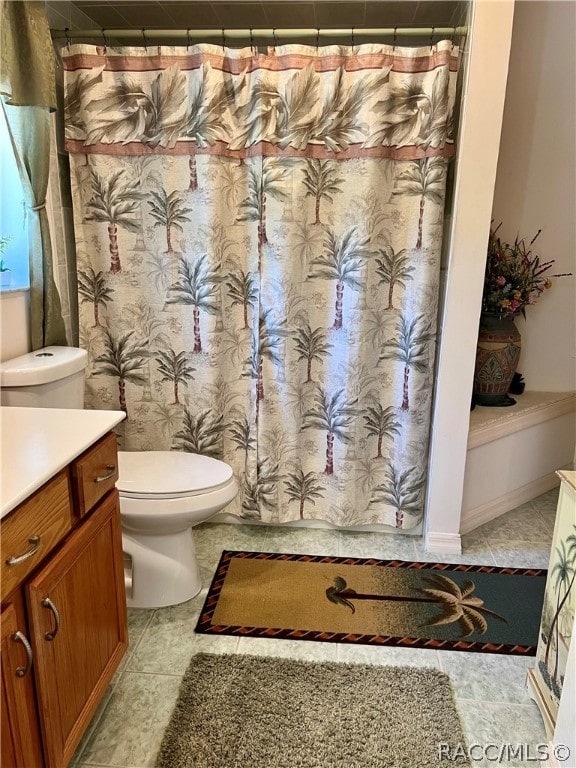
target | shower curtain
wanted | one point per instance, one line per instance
(258, 241)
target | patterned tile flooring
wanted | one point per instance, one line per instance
(490, 689)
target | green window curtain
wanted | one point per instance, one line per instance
(26, 56)
(27, 88)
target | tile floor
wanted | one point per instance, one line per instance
(490, 689)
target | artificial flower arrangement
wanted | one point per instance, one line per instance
(514, 277)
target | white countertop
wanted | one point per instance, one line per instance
(568, 476)
(36, 443)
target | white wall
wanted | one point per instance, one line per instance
(536, 180)
(520, 466)
(488, 49)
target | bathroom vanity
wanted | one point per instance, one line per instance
(63, 604)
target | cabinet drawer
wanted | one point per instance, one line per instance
(95, 473)
(35, 527)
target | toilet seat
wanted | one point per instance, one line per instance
(170, 475)
(169, 491)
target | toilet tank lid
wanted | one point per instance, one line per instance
(42, 366)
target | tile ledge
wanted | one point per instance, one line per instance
(10, 290)
(488, 424)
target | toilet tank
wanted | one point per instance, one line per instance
(52, 377)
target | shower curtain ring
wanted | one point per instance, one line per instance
(275, 39)
(432, 39)
(144, 39)
(453, 37)
(187, 39)
(223, 41)
(252, 41)
(352, 41)
(394, 39)
(104, 39)
(68, 41)
(317, 38)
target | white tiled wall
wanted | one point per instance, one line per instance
(62, 14)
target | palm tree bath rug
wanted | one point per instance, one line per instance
(375, 602)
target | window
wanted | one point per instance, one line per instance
(13, 222)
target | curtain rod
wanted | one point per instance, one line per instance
(274, 33)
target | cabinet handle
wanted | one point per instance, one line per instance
(47, 603)
(20, 637)
(36, 542)
(111, 472)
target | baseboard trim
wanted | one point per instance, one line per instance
(448, 543)
(472, 518)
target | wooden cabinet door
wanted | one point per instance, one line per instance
(19, 733)
(77, 610)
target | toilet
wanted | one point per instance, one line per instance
(163, 494)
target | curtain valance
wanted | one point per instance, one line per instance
(330, 103)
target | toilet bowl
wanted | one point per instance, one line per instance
(163, 495)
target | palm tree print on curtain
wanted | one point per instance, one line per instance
(123, 358)
(196, 286)
(174, 367)
(425, 180)
(322, 182)
(114, 201)
(168, 211)
(266, 291)
(92, 289)
(341, 262)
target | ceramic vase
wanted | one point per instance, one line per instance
(497, 356)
